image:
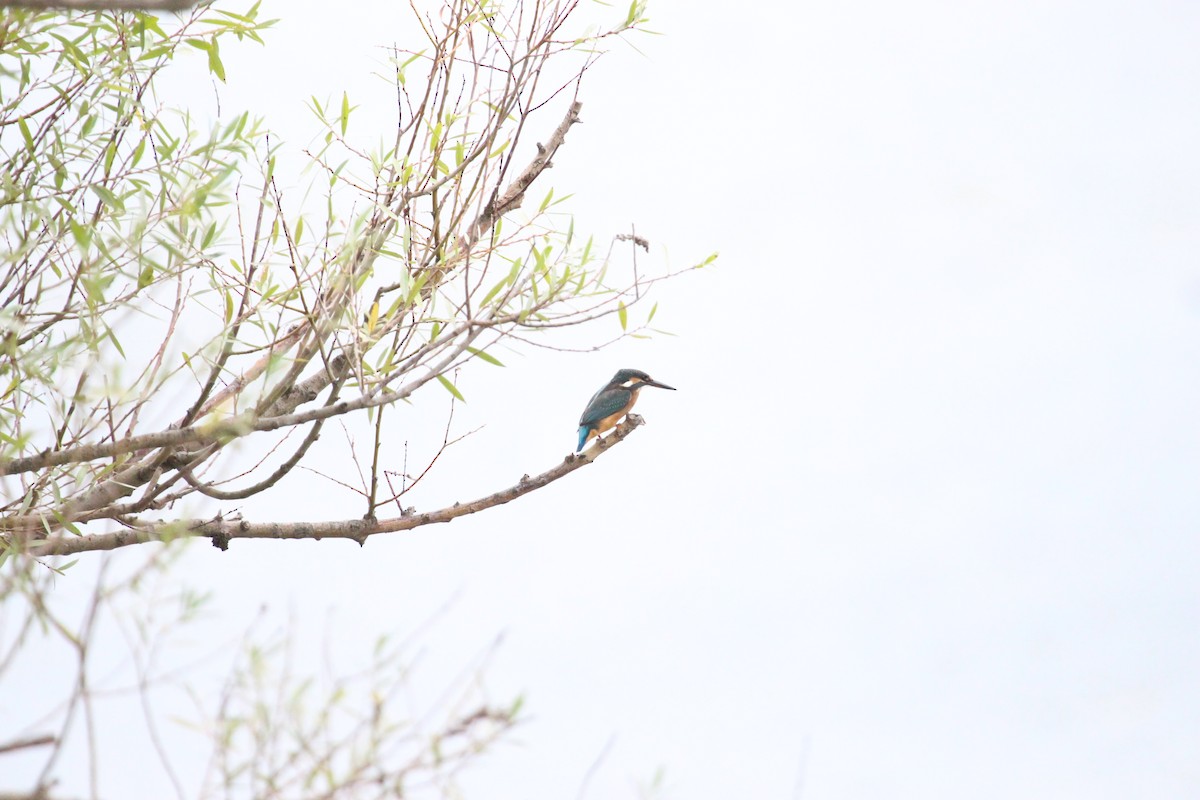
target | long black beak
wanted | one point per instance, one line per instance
(659, 385)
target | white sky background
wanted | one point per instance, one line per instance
(921, 520)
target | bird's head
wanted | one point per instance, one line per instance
(635, 379)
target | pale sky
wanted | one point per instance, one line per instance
(921, 520)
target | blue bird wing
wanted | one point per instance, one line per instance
(605, 403)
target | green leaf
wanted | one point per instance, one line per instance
(653, 311)
(451, 388)
(112, 337)
(415, 287)
(209, 235)
(401, 67)
(108, 198)
(485, 356)
(26, 134)
(546, 202)
(487, 298)
(214, 60)
(82, 234)
(345, 112)
(622, 315)
(72, 51)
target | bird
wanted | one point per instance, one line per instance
(614, 400)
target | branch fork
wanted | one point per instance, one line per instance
(222, 530)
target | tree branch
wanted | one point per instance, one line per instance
(222, 530)
(102, 5)
(32, 741)
(508, 201)
(512, 197)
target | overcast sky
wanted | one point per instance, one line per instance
(921, 520)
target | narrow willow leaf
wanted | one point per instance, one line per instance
(632, 16)
(112, 337)
(214, 60)
(394, 307)
(414, 291)
(27, 135)
(485, 356)
(451, 388)
(622, 315)
(495, 290)
(82, 234)
(108, 198)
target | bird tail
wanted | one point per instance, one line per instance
(583, 435)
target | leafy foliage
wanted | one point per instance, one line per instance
(162, 298)
(146, 261)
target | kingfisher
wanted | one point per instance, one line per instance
(612, 402)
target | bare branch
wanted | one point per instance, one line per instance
(32, 741)
(222, 530)
(511, 198)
